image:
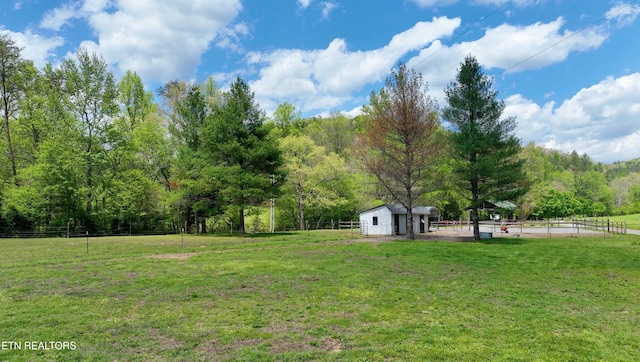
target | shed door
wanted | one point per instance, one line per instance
(421, 224)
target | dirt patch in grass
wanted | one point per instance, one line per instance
(176, 256)
(332, 345)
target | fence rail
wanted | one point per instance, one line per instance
(604, 225)
(348, 224)
(63, 232)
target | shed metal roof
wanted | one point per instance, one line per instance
(400, 209)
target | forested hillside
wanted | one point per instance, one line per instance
(84, 150)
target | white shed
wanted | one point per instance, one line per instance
(391, 219)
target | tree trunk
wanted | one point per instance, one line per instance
(474, 210)
(241, 221)
(89, 176)
(410, 234)
(10, 146)
(476, 223)
(195, 223)
(6, 103)
(301, 208)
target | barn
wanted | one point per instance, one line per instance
(391, 219)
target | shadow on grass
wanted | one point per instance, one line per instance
(249, 235)
(269, 235)
(503, 241)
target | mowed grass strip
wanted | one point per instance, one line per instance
(632, 221)
(322, 296)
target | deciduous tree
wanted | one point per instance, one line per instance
(397, 144)
(312, 175)
(12, 72)
(90, 96)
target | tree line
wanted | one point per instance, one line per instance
(84, 150)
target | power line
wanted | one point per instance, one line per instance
(570, 36)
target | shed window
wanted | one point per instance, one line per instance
(375, 220)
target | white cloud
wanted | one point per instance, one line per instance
(321, 79)
(163, 39)
(327, 8)
(36, 48)
(623, 14)
(504, 47)
(94, 6)
(601, 120)
(432, 3)
(312, 79)
(58, 17)
(503, 2)
(304, 3)
(435, 3)
(230, 37)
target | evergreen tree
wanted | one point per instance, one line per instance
(239, 143)
(483, 144)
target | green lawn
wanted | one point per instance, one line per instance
(633, 221)
(299, 297)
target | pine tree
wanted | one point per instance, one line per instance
(239, 144)
(486, 151)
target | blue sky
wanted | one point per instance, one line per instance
(569, 70)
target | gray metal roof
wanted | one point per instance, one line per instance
(418, 210)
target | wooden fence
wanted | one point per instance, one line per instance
(604, 225)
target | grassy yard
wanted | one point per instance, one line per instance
(317, 296)
(633, 221)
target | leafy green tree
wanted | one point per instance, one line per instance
(559, 204)
(190, 176)
(137, 156)
(335, 133)
(484, 146)
(622, 189)
(398, 144)
(592, 186)
(13, 70)
(137, 104)
(90, 97)
(34, 125)
(312, 175)
(211, 93)
(285, 117)
(239, 143)
(563, 180)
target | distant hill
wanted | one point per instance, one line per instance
(622, 168)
